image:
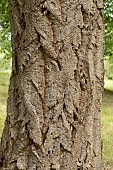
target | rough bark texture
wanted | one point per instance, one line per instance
(53, 119)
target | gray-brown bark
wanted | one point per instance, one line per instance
(53, 119)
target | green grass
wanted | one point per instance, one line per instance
(107, 122)
(106, 115)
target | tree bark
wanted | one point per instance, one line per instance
(53, 110)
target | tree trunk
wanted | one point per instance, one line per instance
(53, 119)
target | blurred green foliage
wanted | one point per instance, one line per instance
(108, 15)
(108, 69)
(5, 35)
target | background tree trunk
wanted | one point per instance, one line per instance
(53, 119)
